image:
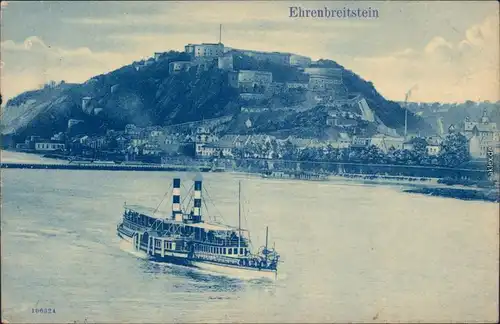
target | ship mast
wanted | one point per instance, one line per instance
(265, 251)
(239, 216)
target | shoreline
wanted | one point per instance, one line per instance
(415, 185)
(103, 167)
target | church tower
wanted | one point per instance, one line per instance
(485, 119)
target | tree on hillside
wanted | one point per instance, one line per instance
(403, 157)
(454, 150)
(372, 154)
(419, 151)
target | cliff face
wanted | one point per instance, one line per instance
(147, 94)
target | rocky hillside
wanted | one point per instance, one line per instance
(147, 94)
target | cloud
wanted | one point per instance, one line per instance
(436, 44)
(449, 62)
(32, 63)
(442, 69)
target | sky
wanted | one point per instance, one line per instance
(442, 51)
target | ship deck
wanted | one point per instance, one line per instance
(166, 218)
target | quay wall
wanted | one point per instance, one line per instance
(106, 167)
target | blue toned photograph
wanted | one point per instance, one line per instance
(249, 162)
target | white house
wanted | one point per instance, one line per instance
(49, 146)
(208, 50)
(433, 149)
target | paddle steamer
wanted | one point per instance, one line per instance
(185, 238)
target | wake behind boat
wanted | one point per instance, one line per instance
(185, 238)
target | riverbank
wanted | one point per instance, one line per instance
(458, 189)
(105, 167)
(459, 193)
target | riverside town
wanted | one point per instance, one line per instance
(276, 114)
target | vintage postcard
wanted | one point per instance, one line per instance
(249, 162)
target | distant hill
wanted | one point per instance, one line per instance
(441, 115)
(147, 94)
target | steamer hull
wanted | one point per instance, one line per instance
(185, 239)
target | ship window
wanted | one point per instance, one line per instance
(235, 250)
(241, 250)
(230, 251)
(223, 250)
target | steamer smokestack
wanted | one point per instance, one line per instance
(176, 200)
(197, 199)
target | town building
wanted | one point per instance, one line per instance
(225, 62)
(253, 146)
(409, 144)
(277, 87)
(58, 137)
(158, 55)
(151, 149)
(87, 105)
(386, 143)
(327, 80)
(299, 60)
(296, 85)
(73, 122)
(250, 80)
(279, 58)
(206, 50)
(253, 96)
(360, 142)
(131, 129)
(207, 150)
(149, 61)
(97, 142)
(343, 141)
(433, 149)
(50, 146)
(483, 136)
(121, 143)
(332, 121)
(203, 135)
(178, 66)
(136, 142)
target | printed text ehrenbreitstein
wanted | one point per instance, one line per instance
(337, 13)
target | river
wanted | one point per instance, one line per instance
(351, 252)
